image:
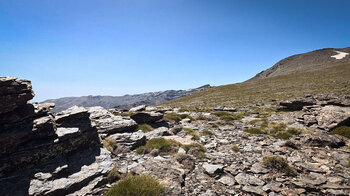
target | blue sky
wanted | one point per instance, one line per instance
(105, 47)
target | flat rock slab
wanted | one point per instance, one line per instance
(212, 169)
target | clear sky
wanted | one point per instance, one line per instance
(117, 47)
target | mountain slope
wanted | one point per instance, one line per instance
(310, 61)
(122, 102)
(281, 83)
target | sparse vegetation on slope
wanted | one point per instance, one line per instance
(335, 79)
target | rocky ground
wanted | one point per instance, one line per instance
(233, 163)
(284, 149)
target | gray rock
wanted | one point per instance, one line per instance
(65, 185)
(321, 139)
(138, 108)
(14, 93)
(227, 180)
(74, 117)
(146, 117)
(108, 123)
(254, 189)
(156, 133)
(129, 140)
(247, 179)
(212, 169)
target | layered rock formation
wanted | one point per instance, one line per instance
(42, 154)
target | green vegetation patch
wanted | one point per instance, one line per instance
(193, 133)
(110, 144)
(334, 79)
(195, 149)
(207, 132)
(143, 185)
(162, 145)
(228, 116)
(254, 131)
(145, 128)
(343, 131)
(114, 175)
(186, 160)
(263, 123)
(235, 148)
(278, 164)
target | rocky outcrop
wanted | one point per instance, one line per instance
(322, 100)
(108, 123)
(42, 154)
(14, 93)
(327, 117)
(324, 112)
(146, 117)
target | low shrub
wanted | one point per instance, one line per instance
(254, 131)
(143, 185)
(113, 175)
(183, 116)
(145, 128)
(186, 160)
(278, 164)
(193, 133)
(207, 132)
(195, 149)
(162, 145)
(173, 116)
(214, 125)
(235, 148)
(283, 135)
(110, 144)
(263, 123)
(343, 131)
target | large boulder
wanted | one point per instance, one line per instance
(146, 117)
(326, 117)
(129, 140)
(322, 99)
(108, 123)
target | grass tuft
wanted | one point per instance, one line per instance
(143, 185)
(195, 149)
(193, 133)
(110, 144)
(235, 148)
(207, 132)
(343, 131)
(163, 146)
(278, 164)
(254, 131)
(145, 128)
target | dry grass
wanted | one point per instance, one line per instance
(335, 79)
(143, 185)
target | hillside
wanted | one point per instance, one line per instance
(310, 61)
(121, 102)
(292, 77)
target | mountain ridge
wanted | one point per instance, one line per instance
(122, 102)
